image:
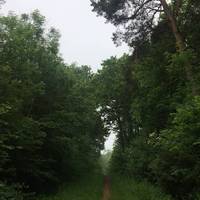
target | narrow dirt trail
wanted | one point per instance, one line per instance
(106, 189)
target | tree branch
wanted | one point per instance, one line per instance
(136, 12)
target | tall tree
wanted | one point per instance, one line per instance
(137, 19)
(50, 130)
(115, 90)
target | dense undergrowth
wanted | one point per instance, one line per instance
(124, 188)
(88, 188)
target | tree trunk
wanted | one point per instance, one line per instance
(180, 44)
(179, 39)
(121, 135)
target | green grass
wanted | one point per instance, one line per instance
(127, 189)
(89, 188)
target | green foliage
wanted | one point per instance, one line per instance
(89, 188)
(12, 192)
(134, 19)
(115, 87)
(161, 144)
(126, 189)
(165, 148)
(50, 130)
(178, 160)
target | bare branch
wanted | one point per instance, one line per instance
(136, 11)
(154, 9)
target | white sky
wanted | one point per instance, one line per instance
(110, 142)
(86, 39)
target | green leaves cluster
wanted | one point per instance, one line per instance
(50, 130)
(156, 120)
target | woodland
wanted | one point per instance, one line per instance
(55, 117)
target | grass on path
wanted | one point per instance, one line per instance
(89, 188)
(127, 189)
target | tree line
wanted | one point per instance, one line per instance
(50, 130)
(151, 98)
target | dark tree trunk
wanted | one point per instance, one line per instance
(180, 44)
(121, 135)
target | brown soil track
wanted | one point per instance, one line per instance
(106, 189)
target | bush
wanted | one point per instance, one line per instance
(127, 189)
(135, 159)
(177, 165)
(10, 192)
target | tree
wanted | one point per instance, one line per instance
(50, 130)
(165, 149)
(138, 18)
(178, 158)
(115, 90)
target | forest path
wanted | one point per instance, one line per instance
(106, 189)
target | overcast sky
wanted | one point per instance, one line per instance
(86, 39)
(109, 143)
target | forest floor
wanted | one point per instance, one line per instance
(124, 188)
(88, 188)
(97, 187)
(106, 189)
